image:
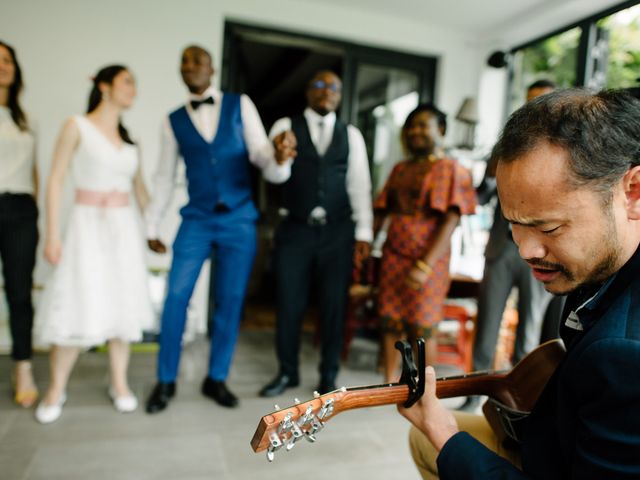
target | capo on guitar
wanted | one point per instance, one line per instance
(412, 376)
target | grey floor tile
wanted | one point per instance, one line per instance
(195, 439)
(178, 457)
(15, 460)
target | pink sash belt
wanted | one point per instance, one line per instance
(103, 199)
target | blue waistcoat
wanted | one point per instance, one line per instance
(218, 173)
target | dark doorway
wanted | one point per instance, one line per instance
(273, 67)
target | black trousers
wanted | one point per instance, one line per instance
(318, 256)
(18, 242)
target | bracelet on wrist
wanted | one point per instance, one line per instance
(424, 266)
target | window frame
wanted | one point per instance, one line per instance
(588, 37)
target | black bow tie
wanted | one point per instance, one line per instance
(196, 103)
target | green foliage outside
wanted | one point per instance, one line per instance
(623, 64)
(553, 59)
(556, 57)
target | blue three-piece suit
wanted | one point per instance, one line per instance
(219, 217)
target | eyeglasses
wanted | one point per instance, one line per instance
(320, 84)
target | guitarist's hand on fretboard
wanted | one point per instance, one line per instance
(430, 416)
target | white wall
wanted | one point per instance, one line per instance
(62, 43)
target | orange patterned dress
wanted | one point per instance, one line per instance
(416, 196)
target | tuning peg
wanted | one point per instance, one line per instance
(316, 426)
(296, 401)
(286, 423)
(316, 394)
(326, 410)
(296, 433)
(275, 444)
(276, 407)
(306, 417)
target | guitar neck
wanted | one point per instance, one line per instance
(447, 387)
(518, 389)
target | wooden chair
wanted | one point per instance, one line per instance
(455, 337)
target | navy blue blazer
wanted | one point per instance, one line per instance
(586, 424)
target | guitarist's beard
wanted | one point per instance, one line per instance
(604, 269)
(607, 264)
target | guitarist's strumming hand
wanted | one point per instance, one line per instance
(430, 416)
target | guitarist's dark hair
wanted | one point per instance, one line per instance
(599, 131)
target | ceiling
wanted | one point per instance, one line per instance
(474, 16)
(481, 17)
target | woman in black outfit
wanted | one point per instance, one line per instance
(18, 220)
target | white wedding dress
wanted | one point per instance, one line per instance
(99, 289)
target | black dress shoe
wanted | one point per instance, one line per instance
(470, 405)
(326, 386)
(219, 392)
(279, 385)
(159, 398)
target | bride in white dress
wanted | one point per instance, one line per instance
(98, 291)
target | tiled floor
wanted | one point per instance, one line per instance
(194, 438)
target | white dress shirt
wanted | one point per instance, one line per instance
(206, 118)
(17, 152)
(358, 180)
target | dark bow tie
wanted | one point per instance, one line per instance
(196, 103)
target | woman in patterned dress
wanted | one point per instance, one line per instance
(424, 197)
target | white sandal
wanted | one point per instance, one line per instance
(50, 413)
(125, 404)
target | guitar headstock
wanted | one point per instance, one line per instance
(284, 427)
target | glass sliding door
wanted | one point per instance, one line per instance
(383, 96)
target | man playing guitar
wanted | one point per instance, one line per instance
(569, 183)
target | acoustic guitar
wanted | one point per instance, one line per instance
(512, 396)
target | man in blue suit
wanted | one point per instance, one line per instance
(569, 183)
(219, 136)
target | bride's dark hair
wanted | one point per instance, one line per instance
(106, 75)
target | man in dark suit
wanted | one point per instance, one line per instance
(569, 184)
(327, 200)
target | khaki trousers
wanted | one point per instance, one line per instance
(424, 455)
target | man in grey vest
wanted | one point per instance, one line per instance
(504, 269)
(327, 200)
